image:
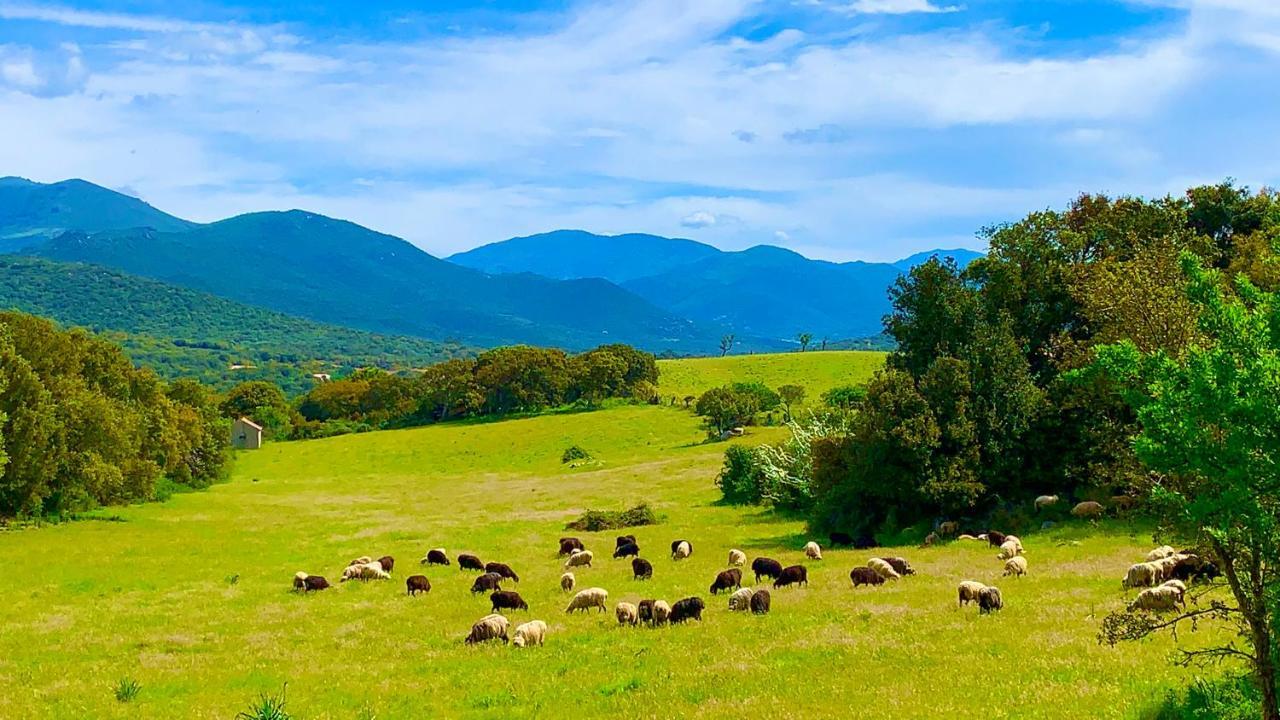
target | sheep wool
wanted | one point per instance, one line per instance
(579, 559)
(567, 581)
(529, 634)
(627, 613)
(970, 590)
(740, 600)
(589, 598)
(736, 558)
(1016, 566)
(812, 551)
(883, 569)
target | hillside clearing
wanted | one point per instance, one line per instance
(816, 372)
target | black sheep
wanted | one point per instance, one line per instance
(628, 550)
(436, 557)
(642, 569)
(995, 538)
(387, 562)
(676, 543)
(417, 583)
(487, 583)
(766, 567)
(989, 600)
(502, 569)
(645, 611)
(794, 575)
(624, 540)
(1192, 568)
(839, 538)
(731, 578)
(690, 607)
(310, 583)
(865, 576)
(470, 562)
(507, 599)
(899, 565)
(569, 544)
(760, 602)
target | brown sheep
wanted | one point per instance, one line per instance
(387, 562)
(760, 602)
(508, 600)
(726, 579)
(415, 584)
(865, 576)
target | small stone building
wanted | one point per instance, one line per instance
(246, 434)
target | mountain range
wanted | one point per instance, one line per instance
(567, 288)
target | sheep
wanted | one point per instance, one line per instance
(579, 559)
(731, 578)
(1088, 509)
(969, 591)
(766, 568)
(1140, 575)
(688, 608)
(387, 562)
(469, 562)
(644, 611)
(741, 599)
(1123, 502)
(1015, 540)
(627, 613)
(487, 582)
(950, 527)
(737, 558)
(838, 538)
(1009, 549)
(569, 544)
(507, 600)
(415, 584)
(899, 565)
(995, 538)
(967, 536)
(1191, 568)
(529, 634)
(1178, 585)
(367, 571)
(796, 574)
(567, 581)
(489, 627)
(661, 612)
(590, 598)
(760, 602)
(1016, 566)
(308, 583)
(1161, 553)
(641, 569)
(362, 560)
(502, 569)
(989, 600)
(1157, 599)
(681, 549)
(435, 557)
(865, 576)
(883, 569)
(1045, 501)
(812, 551)
(628, 550)
(622, 540)
(929, 540)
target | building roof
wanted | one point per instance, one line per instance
(250, 423)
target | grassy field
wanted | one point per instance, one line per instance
(817, 372)
(191, 598)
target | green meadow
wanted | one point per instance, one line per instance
(816, 372)
(191, 598)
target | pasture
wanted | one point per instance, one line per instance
(192, 598)
(816, 372)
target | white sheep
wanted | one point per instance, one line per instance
(366, 571)
(362, 560)
(1015, 540)
(489, 627)
(661, 612)
(970, 590)
(1045, 501)
(1088, 509)
(741, 599)
(579, 559)
(1161, 553)
(567, 581)
(299, 580)
(1157, 599)
(529, 634)
(683, 550)
(1009, 549)
(627, 613)
(812, 551)
(966, 536)
(1016, 566)
(883, 569)
(736, 558)
(1140, 575)
(589, 598)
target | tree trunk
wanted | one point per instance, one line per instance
(1266, 672)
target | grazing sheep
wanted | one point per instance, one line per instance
(1161, 553)
(569, 544)
(1157, 599)
(950, 527)
(765, 567)
(579, 559)
(436, 557)
(567, 581)
(1045, 501)
(899, 565)
(627, 613)
(865, 576)
(489, 627)
(487, 582)
(969, 591)
(415, 584)
(644, 611)
(737, 558)
(362, 560)
(367, 571)
(1015, 540)
(995, 538)
(686, 609)
(502, 569)
(309, 583)
(1191, 568)
(1123, 502)
(838, 538)
(883, 569)
(681, 549)
(760, 602)
(641, 569)
(661, 612)
(1088, 509)
(741, 599)
(628, 550)
(1009, 549)
(731, 578)
(1140, 575)
(989, 600)
(1016, 566)
(507, 600)
(387, 562)
(796, 574)
(930, 540)
(590, 598)
(470, 562)
(624, 540)
(812, 551)
(967, 536)
(529, 634)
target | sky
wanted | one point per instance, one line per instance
(842, 129)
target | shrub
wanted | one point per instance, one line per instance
(596, 520)
(127, 689)
(741, 481)
(267, 707)
(574, 453)
(765, 398)
(845, 397)
(1229, 699)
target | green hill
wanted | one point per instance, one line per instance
(32, 212)
(816, 372)
(569, 254)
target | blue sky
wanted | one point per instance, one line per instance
(843, 129)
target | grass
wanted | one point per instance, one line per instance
(127, 689)
(816, 372)
(150, 598)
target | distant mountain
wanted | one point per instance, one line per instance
(570, 254)
(32, 212)
(961, 256)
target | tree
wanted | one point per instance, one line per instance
(726, 344)
(804, 339)
(791, 395)
(244, 399)
(726, 408)
(1210, 434)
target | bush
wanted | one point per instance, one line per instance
(267, 707)
(597, 520)
(845, 397)
(765, 398)
(127, 689)
(574, 453)
(741, 480)
(1229, 699)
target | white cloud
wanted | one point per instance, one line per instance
(91, 19)
(898, 7)
(699, 219)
